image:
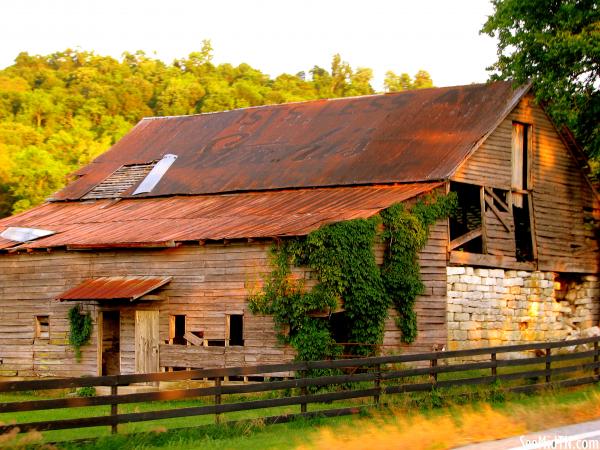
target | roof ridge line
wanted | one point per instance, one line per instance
(315, 100)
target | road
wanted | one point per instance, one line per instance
(579, 436)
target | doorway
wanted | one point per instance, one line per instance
(111, 343)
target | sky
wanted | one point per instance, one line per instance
(274, 36)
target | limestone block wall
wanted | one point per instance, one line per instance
(488, 307)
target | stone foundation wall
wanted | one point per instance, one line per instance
(488, 307)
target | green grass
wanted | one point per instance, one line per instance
(183, 422)
(253, 433)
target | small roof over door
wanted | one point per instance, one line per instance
(114, 288)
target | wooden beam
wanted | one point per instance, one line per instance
(491, 192)
(567, 264)
(475, 259)
(193, 339)
(498, 214)
(99, 340)
(532, 228)
(484, 237)
(464, 238)
(162, 244)
(153, 297)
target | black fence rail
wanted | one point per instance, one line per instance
(355, 378)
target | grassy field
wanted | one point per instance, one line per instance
(160, 425)
(253, 433)
(448, 419)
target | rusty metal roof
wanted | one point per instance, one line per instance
(163, 221)
(410, 136)
(114, 288)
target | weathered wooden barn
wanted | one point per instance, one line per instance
(163, 237)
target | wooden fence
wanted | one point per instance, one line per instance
(354, 379)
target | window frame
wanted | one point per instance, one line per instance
(38, 332)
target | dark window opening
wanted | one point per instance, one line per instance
(42, 327)
(521, 201)
(467, 217)
(236, 329)
(111, 342)
(523, 232)
(339, 327)
(178, 330)
(215, 342)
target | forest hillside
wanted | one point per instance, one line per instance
(59, 111)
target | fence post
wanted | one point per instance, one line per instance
(596, 358)
(434, 375)
(377, 383)
(114, 428)
(548, 362)
(494, 366)
(217, 398)
(303, 392)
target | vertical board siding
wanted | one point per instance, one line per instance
(563, 202)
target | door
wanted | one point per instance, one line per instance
(146, 341)
(110, 342)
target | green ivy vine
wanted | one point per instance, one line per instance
(341, 256)
(406, 233)
(80, 329)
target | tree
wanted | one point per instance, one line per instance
(61, 110)
(422, 80)
(556, 45)
(360, 82)
(403, 82)
(36, 175)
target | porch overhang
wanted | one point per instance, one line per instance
(114, 288)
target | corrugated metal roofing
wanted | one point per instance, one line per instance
(409, 136)
(157, 221)
(114, 288)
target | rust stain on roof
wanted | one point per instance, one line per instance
(114, 288)
(411, 136)
(163, 221)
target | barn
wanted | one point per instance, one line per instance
(162, 238)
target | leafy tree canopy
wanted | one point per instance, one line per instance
(59, 111)
(403, 82)
(556, 45)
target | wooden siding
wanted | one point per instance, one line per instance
(431, 306)
(563, 201)
(490, 164)
(208, 283)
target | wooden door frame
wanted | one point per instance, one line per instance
(100, 336)
(99, 339)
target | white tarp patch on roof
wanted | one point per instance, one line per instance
(22, 234)
(155, 174)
